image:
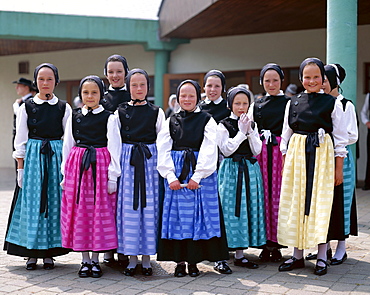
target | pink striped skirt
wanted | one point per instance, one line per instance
(88, 224)
(272, 196)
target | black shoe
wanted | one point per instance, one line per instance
(247, 264)
(366, 188)
(130, 271)
(30, 266)
(85, 270)
(49, 266)
(321, 270)
(313, 256)
(222, 267)
(276, 255)
(109, 261)
(123, 263)
(335, 261)
(146, 271)
(98, 272)
(264, 255)
(193, 270)
(296, 263)
(180, 270)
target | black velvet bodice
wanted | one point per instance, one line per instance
(217, 111)
(45, 120)
(187, 129)
(310, 111)
(268, 113)
(232, 126)
(113, 98)
(90, 130)
(138, 123)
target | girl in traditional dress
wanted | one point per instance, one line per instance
(91, 151)
(115, 70)
(239, 178)
(214, 104)
(268, 113)
(187, 158)
(34, 229)
(137, 208)
(310, 172)
(343, 220)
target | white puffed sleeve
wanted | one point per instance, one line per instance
(287, 131)
(208, 154)
(254, 140)
(165, 165)
(229, 145)
(365, 110)
(351, 119)
(250, 114)
(21, 135)
(68, 143)
(160, 121)
(339, 130)
(114, 147)
(67, 114)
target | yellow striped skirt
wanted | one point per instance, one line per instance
(294, 228)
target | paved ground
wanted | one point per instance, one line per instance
(352, 277)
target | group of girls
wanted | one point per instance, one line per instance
(126, 180)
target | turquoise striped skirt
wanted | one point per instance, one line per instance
(248, 230)
(28, 227)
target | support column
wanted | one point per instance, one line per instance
(341, 43)
(162, 57)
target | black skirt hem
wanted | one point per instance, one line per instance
(16, 250)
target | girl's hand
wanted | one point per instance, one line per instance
(112, 186)
(338, 171)
(243, 123)
(20, 177)
(62, 184)
(192, 184)
(175, 185)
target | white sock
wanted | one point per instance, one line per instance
(108, 255)
(321, 253)
(48, 260)
(145, 261)
(32, 260)
(133, 261)
(86, 257)
(95, 256)
(239, 254)
(298, 254)
(341, 250)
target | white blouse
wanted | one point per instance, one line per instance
(207, 157)
(21, 136)
(229, 145)
(339, 130)
(113, 145)
(351, 121)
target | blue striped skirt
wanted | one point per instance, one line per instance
(28, 227)
(137, 229)
(349, 181)
(191, 214)
(248, 230)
